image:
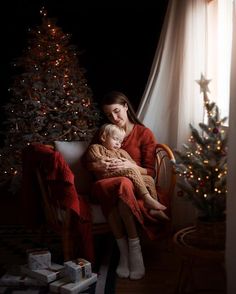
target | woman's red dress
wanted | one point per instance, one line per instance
(140, 144)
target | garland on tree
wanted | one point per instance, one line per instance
(49, 98)
(202, 165)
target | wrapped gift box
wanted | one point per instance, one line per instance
(78, 269)
(56, 271)
(18, 280)
(39, 259)
(55, 287)
(64, 286)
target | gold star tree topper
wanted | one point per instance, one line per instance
(203, 82)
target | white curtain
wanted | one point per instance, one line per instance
(189, 45)
(196, 37)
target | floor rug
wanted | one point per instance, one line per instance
(107, 269)
(16, 240)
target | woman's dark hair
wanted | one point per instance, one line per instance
(115, 97)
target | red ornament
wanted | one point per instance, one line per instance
(215, 130)
(202, 184)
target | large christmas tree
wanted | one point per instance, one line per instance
(202, 164)
(49, 98)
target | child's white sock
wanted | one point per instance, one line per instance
(122, 269)
(137, 269)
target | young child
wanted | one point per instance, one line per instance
(111, 138)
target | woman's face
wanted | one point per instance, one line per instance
(117, 114)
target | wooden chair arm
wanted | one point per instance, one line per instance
(165, 170)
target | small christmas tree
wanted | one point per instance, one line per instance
(49, 98)
(202, 165)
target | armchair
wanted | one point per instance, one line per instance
(67, 207)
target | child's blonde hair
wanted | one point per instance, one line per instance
(111, 130)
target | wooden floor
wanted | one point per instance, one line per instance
(163, 263)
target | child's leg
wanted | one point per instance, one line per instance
(159, 214)
(140, 188)
(152, 203)
(150, 184)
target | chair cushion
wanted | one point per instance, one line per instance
(73, 152)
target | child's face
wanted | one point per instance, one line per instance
(112, 142)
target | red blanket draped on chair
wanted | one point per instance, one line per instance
(60, 180)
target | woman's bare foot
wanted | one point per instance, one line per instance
(151, 203)
(159, 214)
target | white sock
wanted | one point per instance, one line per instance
(122, 269)
(137, 269)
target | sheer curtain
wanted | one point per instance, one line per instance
(190, 44)
(196, 38)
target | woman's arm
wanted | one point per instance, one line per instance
(128, 162)
(96, 160)
(148, 149)
(141, 147)
(99, 164)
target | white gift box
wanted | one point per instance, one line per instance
(78, 269)
(56, 271)
(64, 286)
(55, 287)
(39, 259)
(18, 280)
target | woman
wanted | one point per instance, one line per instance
(116, 195)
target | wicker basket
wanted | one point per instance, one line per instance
(208, 235)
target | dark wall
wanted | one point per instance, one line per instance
(118, 41)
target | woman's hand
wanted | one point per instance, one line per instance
(115, 164)
(106, 164)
